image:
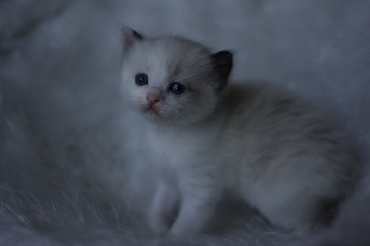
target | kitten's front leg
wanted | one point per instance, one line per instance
(196, 208)
(163, 208)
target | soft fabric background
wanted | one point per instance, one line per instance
(61, 116)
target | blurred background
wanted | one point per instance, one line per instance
(318, 48)
(60, 73)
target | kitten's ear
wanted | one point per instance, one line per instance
(222, 64)
(130, 36)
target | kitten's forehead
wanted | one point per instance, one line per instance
(171, 56)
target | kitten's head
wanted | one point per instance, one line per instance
(172, 79)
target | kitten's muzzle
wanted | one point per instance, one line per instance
(153, 96)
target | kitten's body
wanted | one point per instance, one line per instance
(254, 141)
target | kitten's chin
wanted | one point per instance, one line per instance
(152, 113)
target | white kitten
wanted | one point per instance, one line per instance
(257, 142)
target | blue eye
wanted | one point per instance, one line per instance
(177, 88)
(141, 79)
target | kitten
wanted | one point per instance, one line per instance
(255, 141)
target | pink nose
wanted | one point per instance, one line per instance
(153, 98)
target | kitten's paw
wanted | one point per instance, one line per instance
(178, 230)
(160, 230)
(159, 227)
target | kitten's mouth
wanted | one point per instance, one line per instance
(152, 111)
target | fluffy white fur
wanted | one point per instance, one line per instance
(254, 141)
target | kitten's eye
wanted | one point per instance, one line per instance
(141, 79)
(177, 88)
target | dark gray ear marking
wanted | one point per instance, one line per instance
(222, 64)
(129, 38)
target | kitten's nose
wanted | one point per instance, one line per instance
(153, 97)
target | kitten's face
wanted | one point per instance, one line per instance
(170, 79)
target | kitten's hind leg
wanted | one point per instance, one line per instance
(296, 211)
(163, 208)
